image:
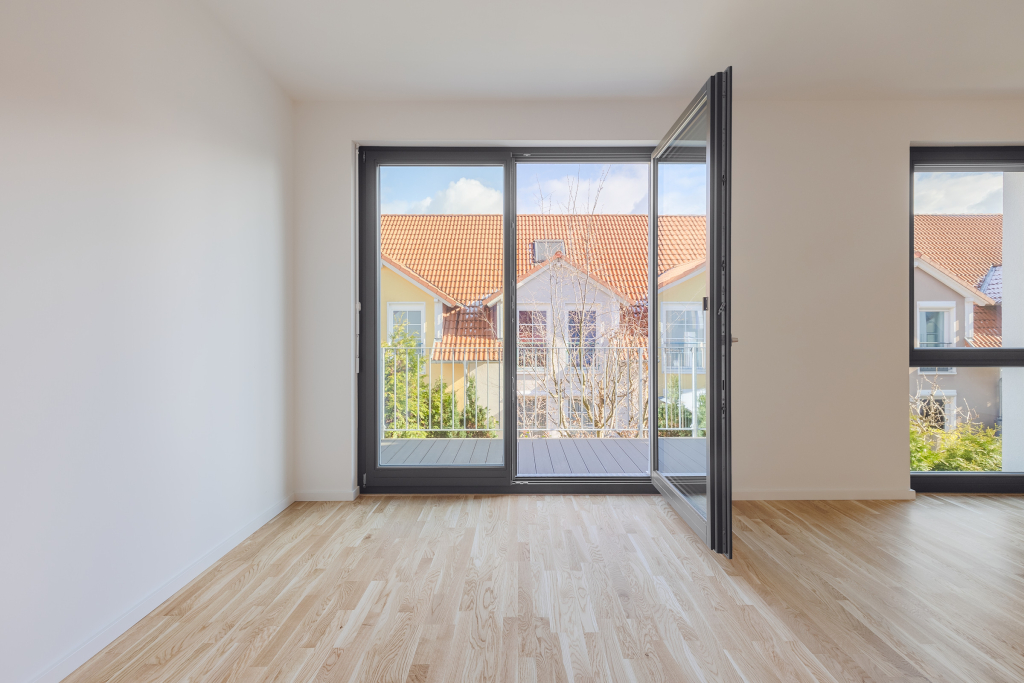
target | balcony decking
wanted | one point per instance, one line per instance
(550, 457)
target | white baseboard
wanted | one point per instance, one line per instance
(83, 653)
(824, 494)
(331, 496)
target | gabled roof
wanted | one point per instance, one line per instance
(468, 334)
(560, 260)
(680, 273)
(988, 327)
(460, 254)
(965, 252)
(950, 280)
(992, 284)
(965, 245)
(416, 280)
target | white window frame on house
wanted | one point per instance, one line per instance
(948, 397)
(949, 333)
(549, 336)
(521, 400)
(582, 347)
(404, 307)
(663, 323)
(570, 412)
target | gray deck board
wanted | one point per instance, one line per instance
(550, 456)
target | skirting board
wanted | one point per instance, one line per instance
(83, 653)
(328, 496)
(825, 494)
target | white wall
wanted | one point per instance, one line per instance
(820, 234)
(144, 179)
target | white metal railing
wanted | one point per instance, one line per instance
(578, 391)
(442, 392)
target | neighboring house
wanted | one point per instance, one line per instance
(958, 303)
(581, 312)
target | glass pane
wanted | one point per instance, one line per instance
(682, 326)
(957, 419)
(581, 274)
(441, 296)
(964, 223)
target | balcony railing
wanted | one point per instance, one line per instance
(574, 392)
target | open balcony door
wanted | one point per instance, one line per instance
(690, 333)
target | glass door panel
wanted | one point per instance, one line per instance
(581, 300)
(690, 319)
(440, 360)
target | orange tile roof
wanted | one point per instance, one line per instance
(965, 245)
(461, 254)
(468, 333)
(988, 326)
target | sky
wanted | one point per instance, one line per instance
(958, 193)
(542, 188)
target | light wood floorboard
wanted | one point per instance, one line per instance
(597, 588)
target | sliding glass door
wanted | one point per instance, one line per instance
(690, 329)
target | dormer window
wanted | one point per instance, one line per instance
(545, 249)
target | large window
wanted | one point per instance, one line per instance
(533, 339)
(967, 316)
(582, 337)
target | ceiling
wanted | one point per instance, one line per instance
(463, 49)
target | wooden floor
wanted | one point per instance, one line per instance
(594, 588)
(554, 457)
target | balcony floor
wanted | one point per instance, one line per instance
(550, 457)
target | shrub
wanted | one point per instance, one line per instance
(971, 447)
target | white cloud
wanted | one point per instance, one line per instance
(465, 195)
(623, 190)
(401, 206)
(958, 193)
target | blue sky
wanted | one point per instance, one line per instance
(547, 188)
(958, 193)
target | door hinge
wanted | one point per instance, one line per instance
(705, 303)
(364, 479)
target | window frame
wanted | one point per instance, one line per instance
(952, 158)
(697, 306)
(406, 306)
(582, 348)
(371, 477)
(949, 159)
(536, 398)
(549, 336)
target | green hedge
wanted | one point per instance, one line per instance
(971, 447)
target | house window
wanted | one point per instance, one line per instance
(533, 339)
(935, 330)
(937, 409)
(533, 415)
(582, 338)
(579, 416)
(684, 336)
(407, 324)
(545, 249)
